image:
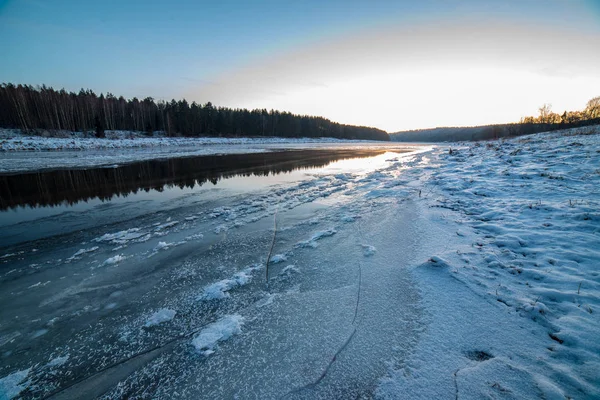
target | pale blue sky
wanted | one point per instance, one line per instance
(352, 61)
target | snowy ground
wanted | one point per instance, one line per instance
(79, 151)
(470, 273)
(517, 223)
(14, 140)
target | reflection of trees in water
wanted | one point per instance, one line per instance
(72, 186)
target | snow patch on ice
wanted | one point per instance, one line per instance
(289, 270)
(312, 242)
(160, 316)
(267, 300)
(196, 236)
(219, 290)
(81, 252)
(114, 260)
(12, 385)
(166, 225)
(349, 218)
(38, 284)
(162, 245)
(206, 341)
(165, 246)
(221, 228)
(38, 333)
(277, 258)
(121, 237)
(58, 361)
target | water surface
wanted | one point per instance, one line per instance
(39, 204)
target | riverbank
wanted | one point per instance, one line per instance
(511, 284)
(12, 140)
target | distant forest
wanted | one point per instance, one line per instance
(41, 108)
(546, 121)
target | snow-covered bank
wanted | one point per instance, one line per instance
(12, 140)
(21, 153)
(517, 223)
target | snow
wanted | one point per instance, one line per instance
(368, 250)
(219, 290)
(349, 218)
(277, 258)
(312, 242)
(220, 229)
(159, 317)
(14, 141)
(206, 341)
(38, 333)
(121, 237)
(161, 245)
(13, 384)
(166, 225)
(58, 361)
(114, 260)
(289, 270)
(519, 227)
(81, 252)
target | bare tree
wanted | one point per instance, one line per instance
(545, 112)
(593, 107)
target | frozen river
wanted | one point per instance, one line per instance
(150, 280)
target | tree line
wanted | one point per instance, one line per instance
(547, 116)
(34, 109)
(546, 121)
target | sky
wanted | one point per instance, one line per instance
(394, 65)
